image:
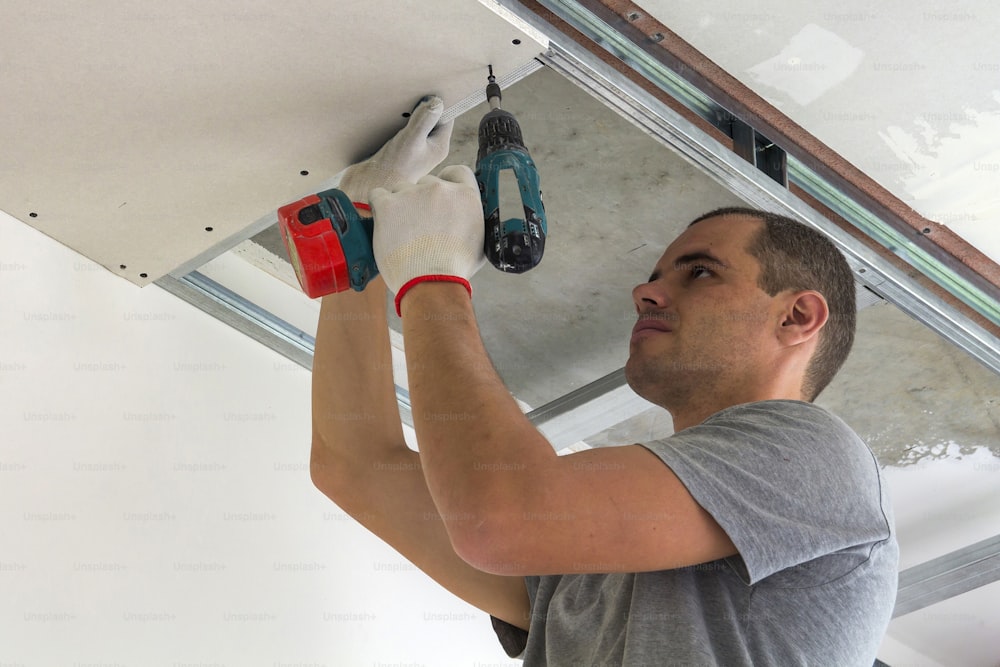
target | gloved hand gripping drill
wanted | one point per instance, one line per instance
(333, 247)
(329, 242)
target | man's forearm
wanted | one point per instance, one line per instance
(354, 399)
(478, 450)
(362, 463)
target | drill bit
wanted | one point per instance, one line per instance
(493, 91)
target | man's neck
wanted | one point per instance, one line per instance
(696, 412)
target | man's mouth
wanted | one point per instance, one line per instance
(650, 325)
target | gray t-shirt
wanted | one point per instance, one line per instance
(801, 497)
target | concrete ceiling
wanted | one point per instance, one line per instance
(141, 129)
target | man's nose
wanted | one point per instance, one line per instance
(649, 296)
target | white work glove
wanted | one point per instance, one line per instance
(411, 154)
(433, 230)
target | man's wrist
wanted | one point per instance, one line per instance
(430, 294)
(354, 191)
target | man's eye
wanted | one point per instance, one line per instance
(698, 271)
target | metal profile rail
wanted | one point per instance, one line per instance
(952, 574)
(243, 315)
(564, 421)
(588, 410)
(247, 317)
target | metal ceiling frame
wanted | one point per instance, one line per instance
(608, 401)
(258, 323)
(564, 421)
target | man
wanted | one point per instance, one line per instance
(758, 533)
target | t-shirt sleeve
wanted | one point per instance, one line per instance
(512, 638)
(788, 482)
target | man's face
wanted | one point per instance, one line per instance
(705, 329)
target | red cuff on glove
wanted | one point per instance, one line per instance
(428, 279)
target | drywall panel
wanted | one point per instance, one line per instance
(906, 91)
(143, 135)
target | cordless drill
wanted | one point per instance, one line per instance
(329, 242)
(514, 245)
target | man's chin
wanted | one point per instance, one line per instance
(651, 382)
(636, 378)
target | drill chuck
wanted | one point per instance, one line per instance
(498, 131)
(493, 95)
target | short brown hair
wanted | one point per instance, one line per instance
(793, 256)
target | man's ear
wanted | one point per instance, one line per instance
(805, 314)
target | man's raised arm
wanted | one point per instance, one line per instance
(359, 458)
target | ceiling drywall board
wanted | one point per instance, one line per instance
(906, 91)
(129, 131)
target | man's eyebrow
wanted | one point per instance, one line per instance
(691, 258)
(700, 256)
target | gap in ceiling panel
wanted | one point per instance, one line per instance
(614, 199)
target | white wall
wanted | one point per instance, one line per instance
(155, 503)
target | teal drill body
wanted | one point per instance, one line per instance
(513, 245)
